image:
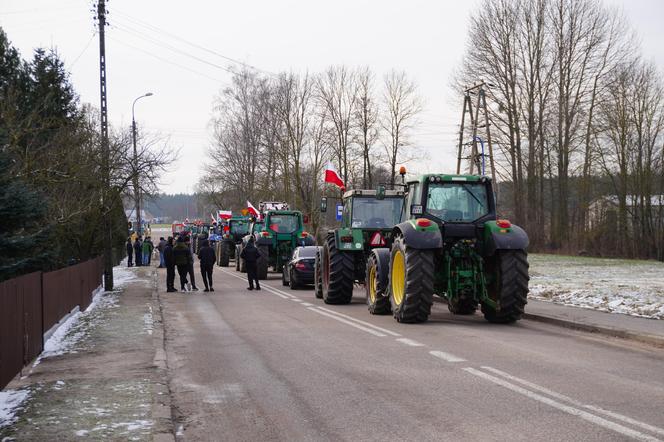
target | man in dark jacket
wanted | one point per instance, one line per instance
(169, 262)
(187, 241)
(251, 254)
(161, 247)
(182, 257)
(207, 258)
(138, 251)
(130, 252)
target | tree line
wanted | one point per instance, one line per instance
(577, 116)
(274, 135)
(50, 167)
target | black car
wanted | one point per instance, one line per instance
(300, 269)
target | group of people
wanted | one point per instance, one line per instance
(176, 253)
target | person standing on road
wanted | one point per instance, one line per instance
(169, 262)
(251, 254)
(207, 258)
(187, 241)
(130, 252)
(148, 247)
(182, 256)
(161, 247)
(138, 251)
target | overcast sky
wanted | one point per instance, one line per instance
(148, 50)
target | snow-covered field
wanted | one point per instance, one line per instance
(631, 287)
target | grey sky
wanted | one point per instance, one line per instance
(425, 38)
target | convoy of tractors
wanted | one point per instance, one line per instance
(437, 235)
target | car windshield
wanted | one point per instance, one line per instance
(239, 227)
(283, 223)
(457, 202)
(375, 213)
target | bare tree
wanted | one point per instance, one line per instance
(366, 121)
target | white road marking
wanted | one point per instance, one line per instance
(359, 321)
(352, 324)
(562, 407)
(278, 290)
(306, 304)
(446, 356)
(594, 408)
(265, 286)
(410, 342)
(296, 299)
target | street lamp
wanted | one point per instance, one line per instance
(137, 189)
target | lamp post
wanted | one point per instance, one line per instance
(137, 189)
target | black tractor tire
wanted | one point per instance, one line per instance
(283, 279)
(415, 279)
(510, 286)
(338, 272)
(243, 263)
(292, 283)
(263, 262)
(462, 306)
(224, 254)
(375, 285)
(318, 277)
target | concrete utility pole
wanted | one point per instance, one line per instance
(106, 174)
(137, 187)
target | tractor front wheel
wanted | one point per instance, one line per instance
(318, 277)
(376, 282)
(224, 255)
(411, 282)
(509, 287)
(263, 261)
(338, 269)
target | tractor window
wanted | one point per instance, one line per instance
(457, 202)
(257, 226)
(284, 223)
(371, 213)
(239, 227)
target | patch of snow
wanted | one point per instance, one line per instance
(11, 402)
(81, 433)
(148, 321)
(62, 340)
(629, 287)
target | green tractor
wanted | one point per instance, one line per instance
(450, 243)
(233, 232)
(366, 223)
(281, 232)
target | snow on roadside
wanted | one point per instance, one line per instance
(10, 403)
(629, 287)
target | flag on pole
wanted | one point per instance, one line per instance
(252, 210)
(332, 176)
(224, 214)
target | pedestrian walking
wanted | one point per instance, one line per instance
(148, 247)
(169, 262)
(251, 254)
(130, 253)
(187, 241)
(182, 256)
(138, 251)
(207, 257)
(161, 246)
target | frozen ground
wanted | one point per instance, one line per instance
(630, 287)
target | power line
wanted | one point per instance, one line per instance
(83, 51)
(196, 45)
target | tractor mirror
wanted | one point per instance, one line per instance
(305, 219)
(416, 209)
(323, 204)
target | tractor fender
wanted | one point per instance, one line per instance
(416, 238)
(382, 256)
(514, 238)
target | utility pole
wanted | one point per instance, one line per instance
(105, 161)
(137, 188)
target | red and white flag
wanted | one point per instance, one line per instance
(332, 176)
(224, 214)
(252, 210)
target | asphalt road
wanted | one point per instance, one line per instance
(278, 364)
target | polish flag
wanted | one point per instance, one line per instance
(332, 176)
(213, 220)
(224, 214)
(252, 210)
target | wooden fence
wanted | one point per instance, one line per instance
(31, 304)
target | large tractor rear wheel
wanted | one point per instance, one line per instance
(263, 261)
(378, 267)
(411, 282)
(509, 286)
(338, 269)
(318, 276)
(225, 254)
